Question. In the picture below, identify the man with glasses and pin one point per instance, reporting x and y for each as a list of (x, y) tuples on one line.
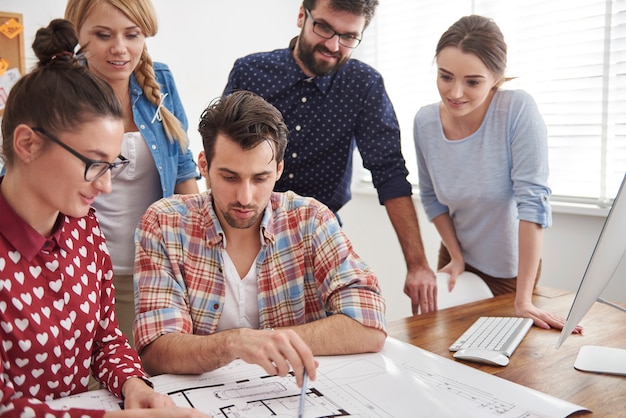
[(331, 105)]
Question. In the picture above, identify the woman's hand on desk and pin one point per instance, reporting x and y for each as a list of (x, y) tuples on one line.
[(140, 400), (543, 319), (137, 394)]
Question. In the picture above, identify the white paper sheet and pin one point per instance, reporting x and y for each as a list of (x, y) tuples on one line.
[(401, 381)]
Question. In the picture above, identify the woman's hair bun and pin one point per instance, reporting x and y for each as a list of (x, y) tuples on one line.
[(56, 42)]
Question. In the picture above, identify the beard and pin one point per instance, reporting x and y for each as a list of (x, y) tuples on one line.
[(238, 223), (306, 55)]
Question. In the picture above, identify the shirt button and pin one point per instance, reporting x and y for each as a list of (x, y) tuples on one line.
[(298, 128), (294, 155), (215, 306), (154, 147), (303, 100), (291, 175), (143, 126)]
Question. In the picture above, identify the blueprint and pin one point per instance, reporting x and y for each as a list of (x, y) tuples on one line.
[(401, 381)]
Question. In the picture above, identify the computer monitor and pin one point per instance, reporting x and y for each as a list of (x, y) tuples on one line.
[(607, 256)]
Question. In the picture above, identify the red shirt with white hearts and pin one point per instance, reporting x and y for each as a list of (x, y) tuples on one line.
[(57, 316)]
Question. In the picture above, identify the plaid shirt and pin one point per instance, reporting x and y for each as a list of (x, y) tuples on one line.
[(306, 269)]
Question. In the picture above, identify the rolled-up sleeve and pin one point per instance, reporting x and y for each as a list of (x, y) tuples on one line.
[(529, 173), (161, 304)]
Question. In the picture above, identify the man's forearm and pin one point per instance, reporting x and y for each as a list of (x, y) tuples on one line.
[(339, 334), (403, 217), (195, 354), (178, 353)]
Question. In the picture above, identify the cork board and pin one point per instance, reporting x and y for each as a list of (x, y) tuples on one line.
[(11, 52)]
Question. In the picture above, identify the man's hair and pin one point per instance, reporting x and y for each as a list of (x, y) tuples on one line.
[(365, 8), (245, 118)]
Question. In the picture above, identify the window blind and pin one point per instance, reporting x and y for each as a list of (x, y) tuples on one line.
[(570, 55)]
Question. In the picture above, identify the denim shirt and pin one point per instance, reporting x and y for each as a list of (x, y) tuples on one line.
[(174, 164)]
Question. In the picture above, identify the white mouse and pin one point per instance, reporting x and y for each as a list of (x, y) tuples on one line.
[(482, 356)]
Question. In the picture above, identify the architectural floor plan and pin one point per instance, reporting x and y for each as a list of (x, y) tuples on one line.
[(401, 381)]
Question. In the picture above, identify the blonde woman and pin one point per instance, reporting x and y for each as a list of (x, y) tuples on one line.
[(112, 35)]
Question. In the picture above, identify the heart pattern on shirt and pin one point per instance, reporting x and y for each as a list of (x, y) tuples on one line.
[(49, 309)]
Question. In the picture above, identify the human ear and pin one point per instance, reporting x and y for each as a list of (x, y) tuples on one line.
[(301, 17), (203, 165), (279, 170), (27, 145)]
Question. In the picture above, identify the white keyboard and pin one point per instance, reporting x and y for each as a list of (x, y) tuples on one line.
[(501, 334)]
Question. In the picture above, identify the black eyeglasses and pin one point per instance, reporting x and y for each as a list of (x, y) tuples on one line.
[(94, 169), (326, 32)]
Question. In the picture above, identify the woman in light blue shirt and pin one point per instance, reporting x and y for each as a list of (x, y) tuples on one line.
[(483, 167), (113, 35)]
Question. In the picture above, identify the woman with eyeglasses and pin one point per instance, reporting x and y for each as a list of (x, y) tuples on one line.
[(62, 132), (112, 35)]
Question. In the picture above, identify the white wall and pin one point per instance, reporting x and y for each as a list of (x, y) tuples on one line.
[(200, 39)]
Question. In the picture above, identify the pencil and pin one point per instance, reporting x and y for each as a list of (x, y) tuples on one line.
[(302, 395)]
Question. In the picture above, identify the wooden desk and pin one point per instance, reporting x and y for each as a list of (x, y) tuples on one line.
[(536, 363)]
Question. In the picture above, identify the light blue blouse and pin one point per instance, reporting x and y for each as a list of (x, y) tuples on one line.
[(488, 181)]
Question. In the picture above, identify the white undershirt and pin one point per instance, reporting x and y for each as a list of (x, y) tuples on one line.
[(136, 188), (241, 306)]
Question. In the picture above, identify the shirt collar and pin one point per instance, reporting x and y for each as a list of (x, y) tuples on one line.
[(24, 238), (215, 235), (267, 224), (322, 82)]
